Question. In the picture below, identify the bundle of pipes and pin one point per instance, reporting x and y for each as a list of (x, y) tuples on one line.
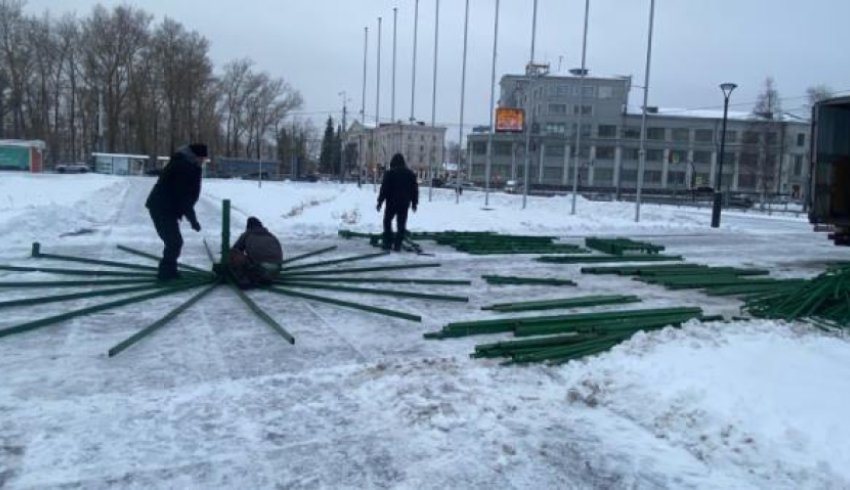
[(590, 259), (562, 303), (619, 246), (481, 243), (516, 280), (824, 300), (577, 322), (568, 337)]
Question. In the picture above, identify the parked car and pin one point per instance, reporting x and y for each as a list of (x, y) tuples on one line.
[(71, 168), (513, 186)]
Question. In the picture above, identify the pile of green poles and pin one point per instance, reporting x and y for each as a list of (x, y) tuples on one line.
[(621, 246), (560, 338), (531, 281), (715, 281), (563, 303), (823, 300), (481, 243)]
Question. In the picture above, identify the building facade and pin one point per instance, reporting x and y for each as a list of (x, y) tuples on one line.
[(763, 154), (423, 146)]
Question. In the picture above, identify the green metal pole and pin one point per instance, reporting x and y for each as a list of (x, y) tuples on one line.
[(43, 322), (346, 304), (225, 230), (209, 252), (68, 297), (380, 292), (118, 348), (335, 261), (73, 284), (358, 269), (309, 254), (84, 260), (387, 280), (146, 255), (262, 314), (77, 272)]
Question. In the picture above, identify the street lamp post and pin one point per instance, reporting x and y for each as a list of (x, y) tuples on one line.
[(727, 89)]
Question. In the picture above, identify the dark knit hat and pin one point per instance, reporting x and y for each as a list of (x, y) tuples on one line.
[(397, 161), (199, 149), (254, 223)]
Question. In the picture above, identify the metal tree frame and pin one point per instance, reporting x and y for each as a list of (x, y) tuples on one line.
[(142, 281)]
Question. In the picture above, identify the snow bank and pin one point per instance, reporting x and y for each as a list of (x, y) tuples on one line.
[(759, 401)]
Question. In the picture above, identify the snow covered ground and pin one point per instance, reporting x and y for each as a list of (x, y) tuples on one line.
[(217, 400)]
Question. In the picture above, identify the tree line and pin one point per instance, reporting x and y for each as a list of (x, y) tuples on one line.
[(115, 81)]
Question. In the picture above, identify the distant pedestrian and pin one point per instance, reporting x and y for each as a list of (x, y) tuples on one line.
[(401, 191), (174, 196), (255, 259)]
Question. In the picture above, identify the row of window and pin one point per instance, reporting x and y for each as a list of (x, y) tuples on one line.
[(574, 90), (682, 135)]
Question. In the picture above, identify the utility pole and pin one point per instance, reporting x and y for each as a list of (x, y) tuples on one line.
[(360, 153), (434, 99), (413, 77), (458, 171), (343, 132), (527, 96), (377, 109), (580, 108), (642, 151), (395, 25), (492, 108)]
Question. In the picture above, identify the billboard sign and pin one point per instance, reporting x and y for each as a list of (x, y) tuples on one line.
[(509, 120)]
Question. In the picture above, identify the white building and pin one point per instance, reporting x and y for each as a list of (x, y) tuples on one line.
[(422, 146)]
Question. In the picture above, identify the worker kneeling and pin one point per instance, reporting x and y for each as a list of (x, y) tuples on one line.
[(255, 259)]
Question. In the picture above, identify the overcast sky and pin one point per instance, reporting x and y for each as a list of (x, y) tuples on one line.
[(317, 46)]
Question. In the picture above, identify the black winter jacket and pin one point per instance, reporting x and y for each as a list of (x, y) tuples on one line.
[(178, 187), (260, 246), (399, 188)]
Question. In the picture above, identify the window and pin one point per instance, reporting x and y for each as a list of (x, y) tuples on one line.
[(678, 156), (751, 137), (586, 110), (502, 148), (556, 128), (585, 130), (655, 156), (801, 139), (606, 92), (704, 135), (676, 178), (701, 179), (628, 175), (731, 136), (585, 152), (557, 109), (772, 138), (749, 159), (681, 134), (631, 154), (552, 173), (631, 133), (652, 176), (655, 134), (604, 152), (563, 90), (702, 157), (553, 150), (479, 148), (589, 90), (747, 180), (729, 160), (607, 131), (603, 176), (798, 161)]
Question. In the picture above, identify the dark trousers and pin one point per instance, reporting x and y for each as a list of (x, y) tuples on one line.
[(400, 215), (168, 229), (247, 273)]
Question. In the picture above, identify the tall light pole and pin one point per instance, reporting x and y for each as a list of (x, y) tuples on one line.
[(527, 121), (434, 100), (492, 108), (642, 151), (580, 107), (395, 26), (377, 108), (361, 155), (727, 89), (342, 135), (458, 172), (413, 76)]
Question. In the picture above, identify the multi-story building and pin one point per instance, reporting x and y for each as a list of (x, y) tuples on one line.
[(763, 154), (422, 146)]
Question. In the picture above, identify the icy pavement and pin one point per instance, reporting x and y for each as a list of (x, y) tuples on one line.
[(217, 400)]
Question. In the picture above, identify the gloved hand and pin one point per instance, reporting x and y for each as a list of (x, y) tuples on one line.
[(414, 208), (196, 226), (378, 207)]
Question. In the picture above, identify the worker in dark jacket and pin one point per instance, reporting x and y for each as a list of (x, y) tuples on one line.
[(400, 190), (174, 196), (255, 259)]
